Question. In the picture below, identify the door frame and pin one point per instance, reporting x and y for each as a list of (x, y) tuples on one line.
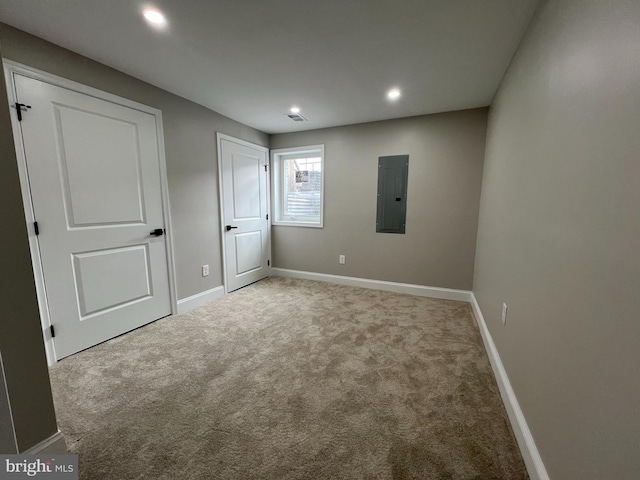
[(11, 69), (219, 137)]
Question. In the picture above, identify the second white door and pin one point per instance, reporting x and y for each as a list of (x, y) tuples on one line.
[(244, 174)]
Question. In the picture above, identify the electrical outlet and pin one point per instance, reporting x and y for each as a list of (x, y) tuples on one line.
[(504, 313), (205, 270), (342, 259)]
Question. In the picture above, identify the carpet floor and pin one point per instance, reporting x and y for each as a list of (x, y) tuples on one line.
[(291, 379)]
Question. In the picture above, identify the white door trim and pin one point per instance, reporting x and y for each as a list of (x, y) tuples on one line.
[(12, 68), (219, 138)]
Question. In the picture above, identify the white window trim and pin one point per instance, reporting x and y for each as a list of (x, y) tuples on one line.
[(277, 174)]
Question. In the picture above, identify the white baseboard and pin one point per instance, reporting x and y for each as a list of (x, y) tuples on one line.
[(527, 445), (198, 299), (532, 459), (55, 444), (419, 290)]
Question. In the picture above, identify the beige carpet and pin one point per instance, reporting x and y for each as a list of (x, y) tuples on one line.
[(291, 379)]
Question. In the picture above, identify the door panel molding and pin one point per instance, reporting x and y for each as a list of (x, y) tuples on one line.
[(219, 138), (11, 69)]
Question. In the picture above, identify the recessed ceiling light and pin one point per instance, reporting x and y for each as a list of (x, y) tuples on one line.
[(154, 17), (393, 94), (295, 109)]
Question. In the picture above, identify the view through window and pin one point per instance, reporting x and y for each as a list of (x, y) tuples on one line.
[(303, 184), (297, 186)]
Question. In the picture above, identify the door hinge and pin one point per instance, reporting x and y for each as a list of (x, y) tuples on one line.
[(36, 228), (268, 263), (267, 216), (52, 330), (265, 168), (19, 109)]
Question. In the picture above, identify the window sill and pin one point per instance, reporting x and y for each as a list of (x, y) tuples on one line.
[(296, 224)]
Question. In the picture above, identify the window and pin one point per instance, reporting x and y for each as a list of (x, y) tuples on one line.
[(298, 185)]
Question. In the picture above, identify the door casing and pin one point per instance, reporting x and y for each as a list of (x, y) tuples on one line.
[(10, 69), (219, 138)]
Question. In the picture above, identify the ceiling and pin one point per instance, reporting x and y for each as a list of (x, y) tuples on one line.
[(252, 60)]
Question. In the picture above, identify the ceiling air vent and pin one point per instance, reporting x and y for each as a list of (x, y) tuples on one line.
[(296, 117)]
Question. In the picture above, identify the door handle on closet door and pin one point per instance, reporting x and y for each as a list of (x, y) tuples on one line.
[(229, 227)]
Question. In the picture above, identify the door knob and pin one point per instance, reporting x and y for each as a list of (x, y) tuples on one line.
[(229, 227), (157, 232)]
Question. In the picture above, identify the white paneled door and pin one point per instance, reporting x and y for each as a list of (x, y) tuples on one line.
[(94, 176), (244, 181)]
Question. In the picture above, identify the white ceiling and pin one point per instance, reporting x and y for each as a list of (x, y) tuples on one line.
[(251, 60)]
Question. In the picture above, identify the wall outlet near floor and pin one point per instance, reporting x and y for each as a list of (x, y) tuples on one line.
[(205, 270), (504, 313), (342, 259)]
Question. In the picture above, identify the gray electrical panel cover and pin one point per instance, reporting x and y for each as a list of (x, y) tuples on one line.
[(393, 172)]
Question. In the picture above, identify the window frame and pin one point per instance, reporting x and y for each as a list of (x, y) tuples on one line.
[(278, 158)]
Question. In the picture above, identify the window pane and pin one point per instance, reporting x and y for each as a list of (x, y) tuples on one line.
[(297, 186), (302, 187)]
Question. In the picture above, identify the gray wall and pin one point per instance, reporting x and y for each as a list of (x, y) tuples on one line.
[(190, 145), (7, 440), (559, 235), (445, 172), (21, 342)]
